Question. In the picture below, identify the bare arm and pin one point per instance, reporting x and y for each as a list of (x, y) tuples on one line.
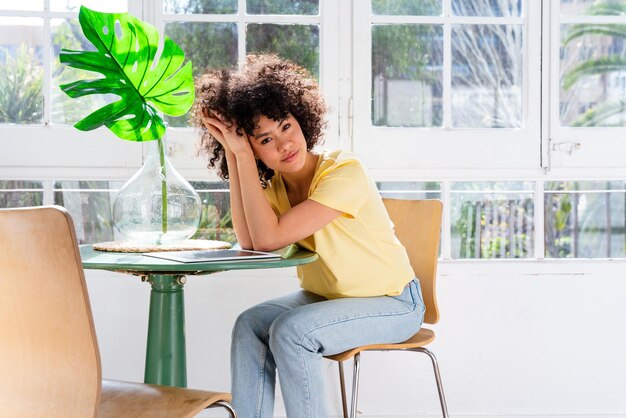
[(239, 220), (268, 231)]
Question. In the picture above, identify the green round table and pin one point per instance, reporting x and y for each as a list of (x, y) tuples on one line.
[(166, 362)]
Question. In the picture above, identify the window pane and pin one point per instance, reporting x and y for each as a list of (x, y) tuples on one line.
[(585, 219), (90, 204), (487, 76), (409, 190), (407, 76), (207, 45), (407, 7), (20, 193), (66, 33), (200, 6), (283, 7), (21, 5), (492, 186), (216, 219), (492, 220), (299, 43), (504, 8), (109, 6), (593, 7), (21, 70), (593, 75)]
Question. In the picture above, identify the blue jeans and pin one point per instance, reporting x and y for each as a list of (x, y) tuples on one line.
[(292, 333)]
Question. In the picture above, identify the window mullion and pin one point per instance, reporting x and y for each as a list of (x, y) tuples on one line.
[(539, 220), (545, 96), (447, 75), (447, 66), (241, 32), (48, 192), (334, 67), (47, 64)]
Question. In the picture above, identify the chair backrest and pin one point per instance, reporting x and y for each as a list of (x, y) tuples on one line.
[(418, 227), (49, 358)]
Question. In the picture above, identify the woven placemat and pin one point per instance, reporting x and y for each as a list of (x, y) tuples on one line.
[(133, 247)]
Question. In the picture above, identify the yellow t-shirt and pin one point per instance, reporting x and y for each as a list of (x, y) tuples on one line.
[(359, 254)]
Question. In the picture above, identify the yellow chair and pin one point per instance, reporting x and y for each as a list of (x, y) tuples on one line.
[(417, 225), (49, 357)]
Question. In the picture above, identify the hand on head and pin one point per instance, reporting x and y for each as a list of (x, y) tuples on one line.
[(225, 132)]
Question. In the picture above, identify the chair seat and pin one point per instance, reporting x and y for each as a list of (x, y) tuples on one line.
[(136, 400), (421, 338)]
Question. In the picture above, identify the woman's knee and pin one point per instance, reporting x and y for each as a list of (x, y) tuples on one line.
[(288, 330), (253, 320)]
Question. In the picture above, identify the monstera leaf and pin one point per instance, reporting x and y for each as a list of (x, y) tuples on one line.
[(145, 77)]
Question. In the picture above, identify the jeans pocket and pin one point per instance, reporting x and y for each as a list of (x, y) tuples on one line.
[(416, 291), (411, 295), (405, 296)]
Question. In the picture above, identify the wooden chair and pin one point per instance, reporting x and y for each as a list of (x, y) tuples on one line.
[(417, 225), (49, 358)]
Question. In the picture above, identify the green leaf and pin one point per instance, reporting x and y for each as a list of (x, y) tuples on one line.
[(597, 66), (607, 8), (145, 76), (599, 114), (584, 29)]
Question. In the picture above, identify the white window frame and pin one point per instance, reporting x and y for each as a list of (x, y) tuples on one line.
[(568, 148), (62, 153), (420, 150), (183, 140), (70, 154), (47, 151)]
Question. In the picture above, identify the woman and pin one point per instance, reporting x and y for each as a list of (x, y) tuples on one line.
[(262, 124)]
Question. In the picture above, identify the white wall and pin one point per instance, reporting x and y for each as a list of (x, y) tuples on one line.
[(515, 339)]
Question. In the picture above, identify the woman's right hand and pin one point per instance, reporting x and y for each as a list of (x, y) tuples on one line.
[(226, 134), (208, 120)]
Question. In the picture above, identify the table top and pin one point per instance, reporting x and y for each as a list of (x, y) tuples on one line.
[(136, 263)]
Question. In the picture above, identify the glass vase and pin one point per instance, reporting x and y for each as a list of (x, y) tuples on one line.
[(157, 205)]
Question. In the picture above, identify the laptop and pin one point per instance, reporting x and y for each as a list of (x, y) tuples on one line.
[(207, 256)]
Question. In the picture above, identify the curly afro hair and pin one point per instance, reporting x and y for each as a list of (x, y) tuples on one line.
[(267, 85)]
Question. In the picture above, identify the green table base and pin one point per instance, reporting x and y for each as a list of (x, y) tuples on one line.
[(166, 356)]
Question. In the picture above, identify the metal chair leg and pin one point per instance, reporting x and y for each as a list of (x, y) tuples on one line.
[(227, 406), (442, 398), (342, 383), (355, 384)]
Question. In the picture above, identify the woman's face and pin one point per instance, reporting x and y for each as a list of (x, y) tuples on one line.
[(279, 144)]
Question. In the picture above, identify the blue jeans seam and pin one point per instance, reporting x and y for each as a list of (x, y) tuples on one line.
[(306, 380), (305, 335), (261, 389), (364, 316)]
